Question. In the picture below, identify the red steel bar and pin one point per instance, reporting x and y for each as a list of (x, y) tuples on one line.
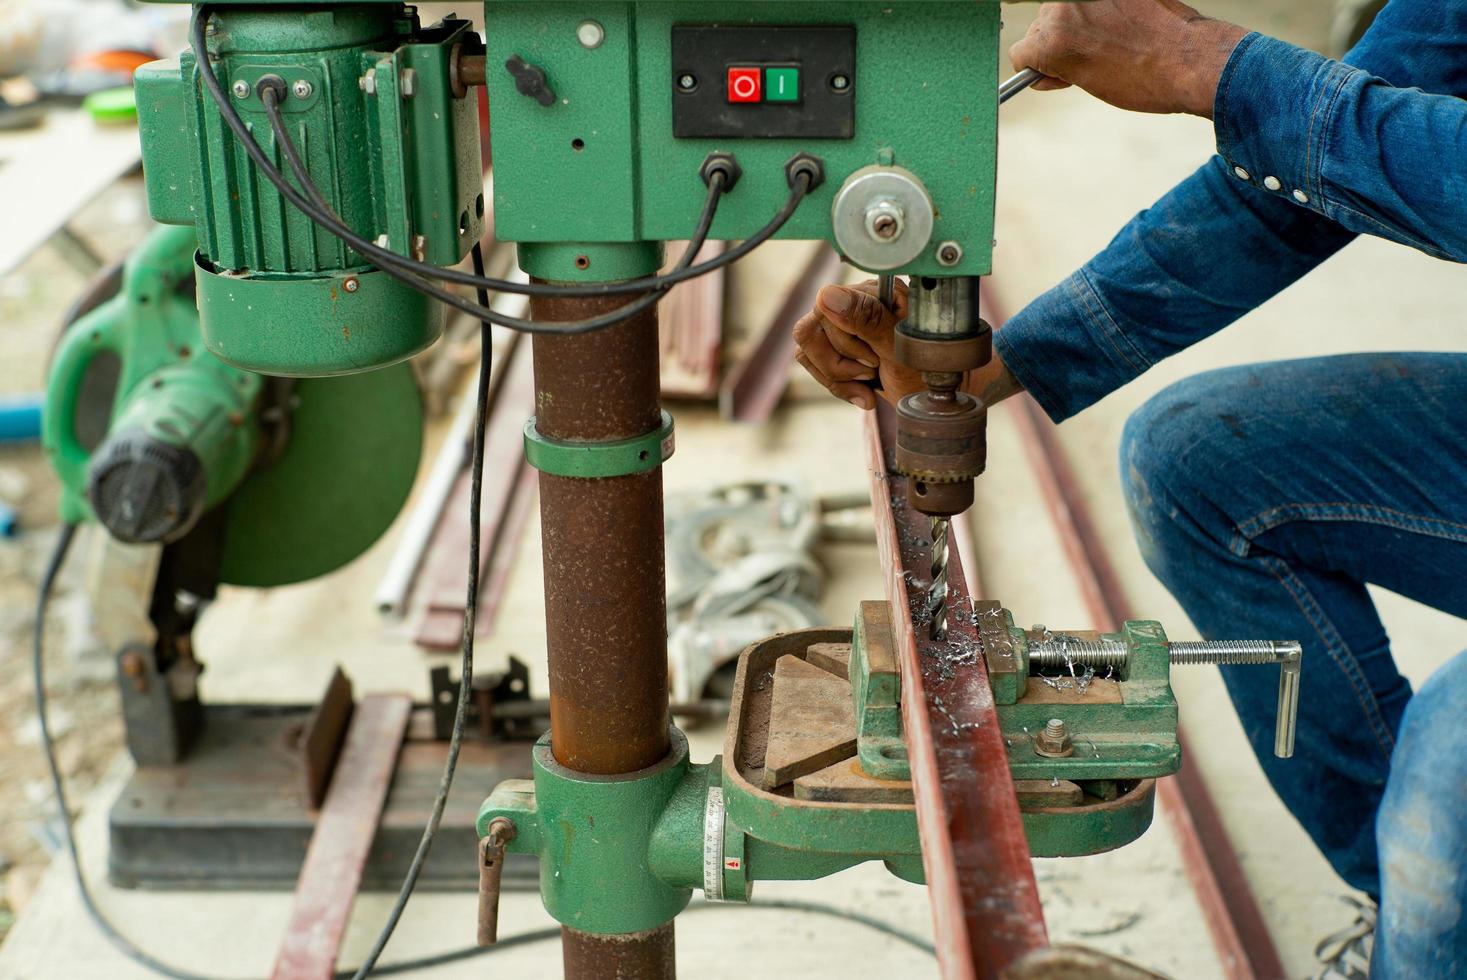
[(345, 829), (445, 578), (1239, 933), (985, 901)]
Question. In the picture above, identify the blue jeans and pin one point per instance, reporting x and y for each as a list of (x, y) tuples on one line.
[(1265, 498)]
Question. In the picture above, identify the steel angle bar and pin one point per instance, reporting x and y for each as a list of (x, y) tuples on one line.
[(985, 901)]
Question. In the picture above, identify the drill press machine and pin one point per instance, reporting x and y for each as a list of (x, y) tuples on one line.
[(872, 126)]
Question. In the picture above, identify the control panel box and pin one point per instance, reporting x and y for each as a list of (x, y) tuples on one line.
[(763, 82), (644, 91)]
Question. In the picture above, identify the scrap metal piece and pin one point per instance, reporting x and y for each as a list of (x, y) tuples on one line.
[(337, 856), (321, 741), (985, 901)]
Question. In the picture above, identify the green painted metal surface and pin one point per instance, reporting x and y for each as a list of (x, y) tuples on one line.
[(600, 164), (593, 836), (315, 326), (354, 449), (1135, 739), (590, 261), (599, 460), (879, 742), (167, 385), (1092, 829)]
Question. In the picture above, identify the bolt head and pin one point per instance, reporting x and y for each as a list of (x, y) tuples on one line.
[(884, 221), (590, 34), (1054, 742), (352, 284), (949, 254), (840, 82), (241, 89), (687, 81), (303, 89)]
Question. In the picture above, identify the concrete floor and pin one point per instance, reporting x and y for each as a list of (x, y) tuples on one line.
[(1072, 172)]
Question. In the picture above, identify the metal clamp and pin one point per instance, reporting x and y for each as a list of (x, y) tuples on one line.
[(1063, 651), (600, 460)]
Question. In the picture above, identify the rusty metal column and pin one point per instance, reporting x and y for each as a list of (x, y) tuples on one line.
[(605, 591)]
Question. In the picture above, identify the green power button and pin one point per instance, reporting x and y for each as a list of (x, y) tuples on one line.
[(781, 85)]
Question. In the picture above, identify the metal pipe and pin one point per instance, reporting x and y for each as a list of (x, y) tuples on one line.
[(647, 954), (605, 582), (20, 418)]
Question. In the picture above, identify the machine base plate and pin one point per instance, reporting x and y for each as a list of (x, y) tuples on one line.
[(233, 815)]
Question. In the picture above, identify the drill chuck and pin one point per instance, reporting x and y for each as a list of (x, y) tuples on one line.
[(942, 446)]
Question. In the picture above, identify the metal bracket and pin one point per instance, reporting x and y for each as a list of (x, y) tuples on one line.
[(600, 460)]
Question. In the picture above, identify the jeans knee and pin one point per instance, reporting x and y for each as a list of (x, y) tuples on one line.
[(1162, 491)]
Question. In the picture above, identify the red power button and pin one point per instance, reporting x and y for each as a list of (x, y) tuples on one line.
[(745, 85)]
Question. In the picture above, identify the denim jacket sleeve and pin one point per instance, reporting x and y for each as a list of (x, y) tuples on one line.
[(1363, 157)]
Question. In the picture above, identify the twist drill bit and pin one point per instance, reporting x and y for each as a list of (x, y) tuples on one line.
[(937, 596)]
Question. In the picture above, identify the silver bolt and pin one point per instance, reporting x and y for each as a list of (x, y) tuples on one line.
[(351, 285), (241, 89), (840, 83), (383, 240), (949, 254), (1054, 741), (687, 82), (409, 83), (303, 89), (368, 83), (590, 34), (884, 221), (1062, 653)]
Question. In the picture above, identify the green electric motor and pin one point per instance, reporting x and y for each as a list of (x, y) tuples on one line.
[(389, 135)]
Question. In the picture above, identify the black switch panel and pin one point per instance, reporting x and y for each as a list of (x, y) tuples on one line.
[(806, 82)]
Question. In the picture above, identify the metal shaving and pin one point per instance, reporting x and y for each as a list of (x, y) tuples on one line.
[(957, 727)]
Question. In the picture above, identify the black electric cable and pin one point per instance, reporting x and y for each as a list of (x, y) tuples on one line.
[(388, 260), (466, 665), (695, 245), (147, 960)]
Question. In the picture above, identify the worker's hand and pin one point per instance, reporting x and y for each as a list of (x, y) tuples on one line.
[(849, 338), (1142, 55)]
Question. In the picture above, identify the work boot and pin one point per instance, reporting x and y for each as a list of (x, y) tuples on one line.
[(1345, 955)]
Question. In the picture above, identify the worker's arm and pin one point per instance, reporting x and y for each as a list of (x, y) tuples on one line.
[(1364, 157)]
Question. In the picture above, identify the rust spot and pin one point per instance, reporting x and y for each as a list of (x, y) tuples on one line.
[(346, 333)]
